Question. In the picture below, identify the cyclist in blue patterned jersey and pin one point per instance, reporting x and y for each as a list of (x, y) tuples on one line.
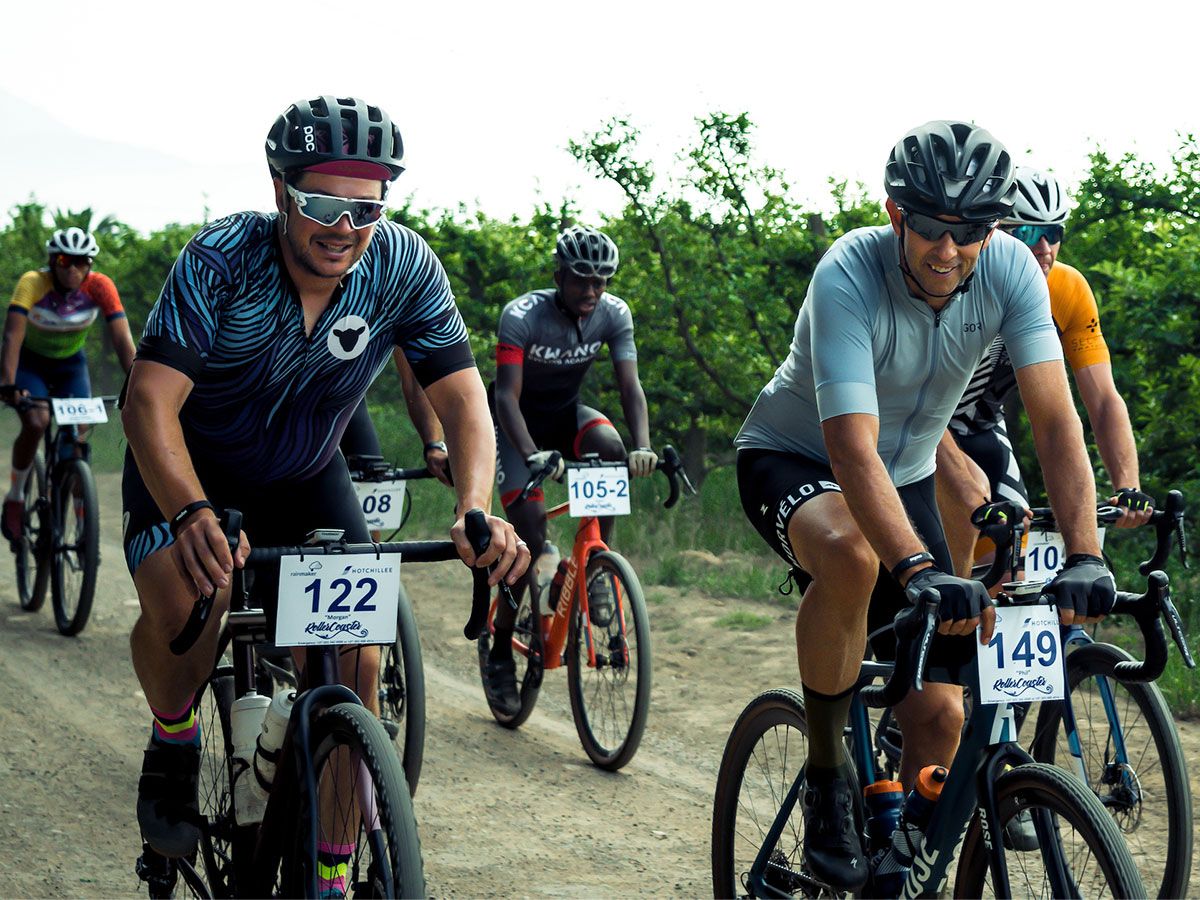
[(547, 342), (836, 459), (265, 338)]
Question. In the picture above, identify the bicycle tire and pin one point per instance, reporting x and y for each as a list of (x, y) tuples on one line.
[(1040, 786), (765, 750), (402, 692), (77, 550), (601, 691), (219, 835), (388, 862), (32, 551), (528, 630), (1143, 708)]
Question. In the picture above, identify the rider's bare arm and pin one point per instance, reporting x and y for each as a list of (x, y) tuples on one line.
[(424, 419), (633, 400), (14, 337), (150, 416), (122, 342), (461, 404), (508, 408), (1062, 454), (852, 441), (1109, 418)]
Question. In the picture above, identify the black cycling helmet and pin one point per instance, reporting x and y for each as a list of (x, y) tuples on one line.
[(945, 168), (336, 130)]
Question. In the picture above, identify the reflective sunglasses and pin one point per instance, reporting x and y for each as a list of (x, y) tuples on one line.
[(77, 262), (1031, 234), (326, 210), (932, 229)]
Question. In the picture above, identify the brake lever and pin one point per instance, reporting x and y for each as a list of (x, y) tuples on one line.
[(1175, 626), (480, 537)]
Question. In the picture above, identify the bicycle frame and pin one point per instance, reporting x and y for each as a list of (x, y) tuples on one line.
[(987, 747)]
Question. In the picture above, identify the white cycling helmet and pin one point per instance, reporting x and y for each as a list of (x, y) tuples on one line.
[(73, 242), (587, 252), (1040, 199)]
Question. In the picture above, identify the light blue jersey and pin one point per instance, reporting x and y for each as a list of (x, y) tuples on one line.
[(864, 344)]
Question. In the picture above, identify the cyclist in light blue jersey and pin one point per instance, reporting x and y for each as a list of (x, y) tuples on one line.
[(836, 459)]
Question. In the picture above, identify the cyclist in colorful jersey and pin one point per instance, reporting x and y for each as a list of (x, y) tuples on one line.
[(265, 338), (836, 458), (48, 320), (548, 339), (978, 426)]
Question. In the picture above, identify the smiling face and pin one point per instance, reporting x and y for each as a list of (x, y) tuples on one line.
[(325, 251), (935, 269)]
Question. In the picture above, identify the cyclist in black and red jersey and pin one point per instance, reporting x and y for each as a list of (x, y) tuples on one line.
[(547, 341)]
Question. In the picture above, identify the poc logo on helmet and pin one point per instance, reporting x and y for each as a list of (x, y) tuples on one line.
[(348, 337), (310, 138)]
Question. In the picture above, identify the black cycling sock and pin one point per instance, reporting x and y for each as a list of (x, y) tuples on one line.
[(501, 645), (827, 717)]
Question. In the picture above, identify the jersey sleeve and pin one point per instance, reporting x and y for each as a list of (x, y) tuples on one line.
[(432, 336), (1077, 318), (1027, 328), (511, 336), (104, 292), (30, 288), (182, 326), (843, 359), (620, 340)]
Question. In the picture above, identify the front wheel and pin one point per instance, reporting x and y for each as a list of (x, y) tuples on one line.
[(366, 833), (1079, 850), (608, 662), (1131, 758), (762, 761), (402, 692), (33, 548), (77, 545)]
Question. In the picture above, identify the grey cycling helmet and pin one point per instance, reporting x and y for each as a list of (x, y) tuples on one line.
[(73, 242), (328, 131), (1040, 199), (945, 168), (587, 252)]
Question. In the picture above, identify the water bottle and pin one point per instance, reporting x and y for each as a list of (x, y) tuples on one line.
[(556, 584), (883, 800), (246, 721), (270, 739), (547, 568), (891, 869)]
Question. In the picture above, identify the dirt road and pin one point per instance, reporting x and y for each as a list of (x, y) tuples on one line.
[(501, 812)]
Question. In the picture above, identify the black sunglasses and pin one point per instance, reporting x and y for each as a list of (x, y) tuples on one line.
[(961, 233), (1031, 234)]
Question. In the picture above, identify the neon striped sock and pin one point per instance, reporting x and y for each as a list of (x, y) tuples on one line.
[(177, 728), (333, 863)]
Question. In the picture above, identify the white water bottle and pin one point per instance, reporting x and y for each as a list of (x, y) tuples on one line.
[(246, 721), (270, 739), (547, 565)]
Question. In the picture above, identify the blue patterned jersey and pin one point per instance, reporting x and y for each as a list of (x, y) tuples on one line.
[(270, 402)]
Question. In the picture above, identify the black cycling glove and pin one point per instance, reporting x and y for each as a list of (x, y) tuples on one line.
[(1084, 585), (1132, 498), (962, 598)]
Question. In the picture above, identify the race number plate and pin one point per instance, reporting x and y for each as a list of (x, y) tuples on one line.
[(382, 503), (1045, 554), (602, 491), (1023, 662), (337, 599), (80, 411)]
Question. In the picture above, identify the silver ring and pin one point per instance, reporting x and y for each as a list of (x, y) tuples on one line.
[(522, 544)]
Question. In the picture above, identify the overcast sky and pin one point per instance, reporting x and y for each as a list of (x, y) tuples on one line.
[(152, 111)]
